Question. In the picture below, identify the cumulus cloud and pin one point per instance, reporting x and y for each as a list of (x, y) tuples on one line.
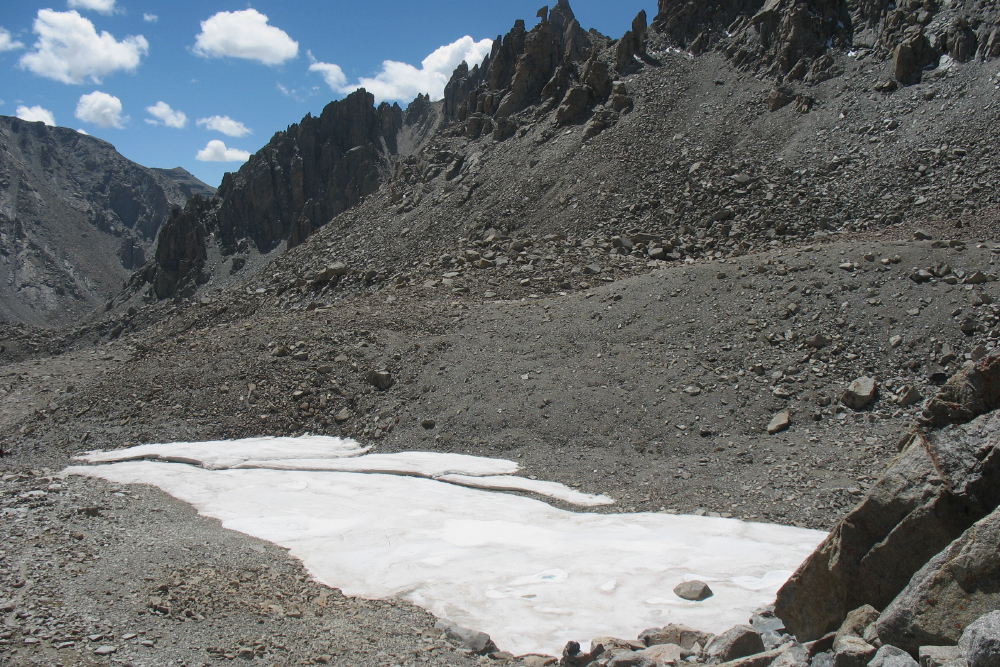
[(36, 114), (162, 114), (102, 6), (83, 131), (150, 18), (7, 43), (225, 125), (216, 151), (69, 49), (402, 81), (101, 109), (244, 34)]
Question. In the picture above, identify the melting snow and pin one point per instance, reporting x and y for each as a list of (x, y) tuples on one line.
[(529, 574)]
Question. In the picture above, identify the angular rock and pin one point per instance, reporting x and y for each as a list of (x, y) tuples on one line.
[(779, 422), (940, 485), (674, 633), (693, 590), (381, 380), (950, 592), (890, 656), (860, 393), (981, 641), (737, 642), (662, 654), (473, 640), (852, 651), (856, 622), (968, 394), (941, 656), (573, 656)]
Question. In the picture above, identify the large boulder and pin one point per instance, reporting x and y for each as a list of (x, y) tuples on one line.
[(951, 591), (737, 642), (981, 641), (942, 483)]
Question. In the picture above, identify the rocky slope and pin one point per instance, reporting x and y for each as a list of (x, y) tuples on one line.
[(76, 219), (725, 287)]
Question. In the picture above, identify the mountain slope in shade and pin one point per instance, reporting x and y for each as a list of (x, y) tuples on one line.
[(188, 183), (76, 218)]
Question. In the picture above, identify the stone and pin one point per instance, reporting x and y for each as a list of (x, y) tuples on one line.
[(591, 269), (428, 424), (908, 396), (818, 341), (940, 656), (980, 641), (693, 590), (342, 416), (280, 351), (860, 393), (473, 640), (617, 643), (852, 651), (538, 660), (662, 654), (764, 659), (890, 656), (737, 642), (105, 650), (779, 422), (975, 278), (895, 341), (856, 622), (574, 657), (381, 380), (968, 394), (942, 482), (675, 633)]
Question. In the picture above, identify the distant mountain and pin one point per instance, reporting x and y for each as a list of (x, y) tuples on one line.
[(76, 218), (188, 183)]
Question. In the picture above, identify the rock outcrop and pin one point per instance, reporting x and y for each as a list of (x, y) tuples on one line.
[(943, 482), (76, 218), (309, 173)]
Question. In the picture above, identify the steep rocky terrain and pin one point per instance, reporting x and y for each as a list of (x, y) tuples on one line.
[(719, 266), (76, 219)]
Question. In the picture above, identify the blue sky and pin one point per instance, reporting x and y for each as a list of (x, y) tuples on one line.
[(237, 73)]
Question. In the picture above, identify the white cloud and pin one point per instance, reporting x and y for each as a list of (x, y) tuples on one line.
[(225, 125), (150, 18), (244, 34), (101, 109), (83, 131), (216, 151), (332, 74), (7, 42), (69, 49), (36, 114), (402, 81), (162, 114), (102, 6)]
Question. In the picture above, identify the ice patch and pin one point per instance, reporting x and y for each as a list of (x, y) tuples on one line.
[(529, 574)]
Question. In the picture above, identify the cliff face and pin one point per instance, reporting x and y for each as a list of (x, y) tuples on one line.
[(307, 174), (76, 218), (301, 179)]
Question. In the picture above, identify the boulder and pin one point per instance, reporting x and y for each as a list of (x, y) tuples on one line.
[(856, 622), (890, 656), (952, 590), (968, 394), (695, 591), (674, 633), (981, 641), (852, 651), (473, 640), (942, 483), (737, 642), (662, 654), (941, 656), (860, 393), (779, 422)]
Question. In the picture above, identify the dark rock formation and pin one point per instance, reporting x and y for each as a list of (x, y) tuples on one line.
[(185, 181), (181, 251), (786, 38), (942, 483), (309, 173), (75, 219)]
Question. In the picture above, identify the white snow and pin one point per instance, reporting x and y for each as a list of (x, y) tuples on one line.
[(529, 574), (542, 488)]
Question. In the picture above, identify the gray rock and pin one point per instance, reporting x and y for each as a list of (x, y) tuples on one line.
[(674, 633), (940, 485), (737, 642), (890, 656), (940, 656), (380, 379), (693, 590), (950, 592), (860, 393), (473, 640), (852, 651), (856, 622), (779, 422), (981, 641), (662, 654), (824, 659)]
